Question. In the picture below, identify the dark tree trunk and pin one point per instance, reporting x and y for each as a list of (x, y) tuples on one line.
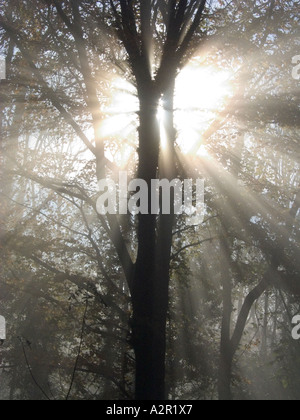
[(150, 280), (226, 353), (224, 380), (148, 326), (152, 272)]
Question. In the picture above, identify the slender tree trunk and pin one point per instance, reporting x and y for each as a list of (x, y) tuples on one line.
[(264, 341), (226, 353), (225, 374)]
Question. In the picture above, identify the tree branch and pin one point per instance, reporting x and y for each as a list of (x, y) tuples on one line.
[(48, 92), (191, 32), (111, 226), (79, 350), (251, 298), (193, 245), (30, 371), (145, 7)]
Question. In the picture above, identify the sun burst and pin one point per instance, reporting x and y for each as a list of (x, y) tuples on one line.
[(201, 92)]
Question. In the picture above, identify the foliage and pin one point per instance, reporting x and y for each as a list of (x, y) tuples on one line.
[(64, 291)]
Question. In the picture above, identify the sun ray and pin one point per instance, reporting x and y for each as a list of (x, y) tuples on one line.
[(201, 93)]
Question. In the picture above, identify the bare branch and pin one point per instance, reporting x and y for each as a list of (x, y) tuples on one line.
[(191, 32), (79, 350), (48, 92), (30, 371), (192, 246), (251, 298)]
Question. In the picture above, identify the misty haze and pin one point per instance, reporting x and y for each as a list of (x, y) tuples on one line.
[(163, 304)]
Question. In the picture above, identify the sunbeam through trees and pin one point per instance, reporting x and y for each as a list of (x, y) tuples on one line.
[(121, 278)]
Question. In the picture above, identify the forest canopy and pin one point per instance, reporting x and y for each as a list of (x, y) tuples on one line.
[(149, 305)]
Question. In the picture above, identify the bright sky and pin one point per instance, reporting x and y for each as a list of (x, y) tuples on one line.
[(201, 91)]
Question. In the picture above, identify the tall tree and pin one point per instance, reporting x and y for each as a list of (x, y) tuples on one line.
[(136, 25)]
